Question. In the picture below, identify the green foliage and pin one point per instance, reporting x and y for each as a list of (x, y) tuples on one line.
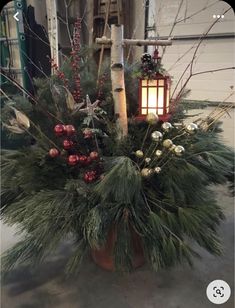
[(49, 201)]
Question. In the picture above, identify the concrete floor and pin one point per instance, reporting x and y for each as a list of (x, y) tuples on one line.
[(181, 287)]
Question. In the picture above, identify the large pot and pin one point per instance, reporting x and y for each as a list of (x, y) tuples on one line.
[(104, 255)]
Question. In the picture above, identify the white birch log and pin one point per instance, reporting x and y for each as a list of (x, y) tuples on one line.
[(117, 78), (108, 41)]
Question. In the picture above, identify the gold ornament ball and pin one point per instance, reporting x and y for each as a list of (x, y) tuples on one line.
[(158, 153), (152, 118), (157, 169), (156, 135), (146, 172), (167, 143), (179, 150), (191, 128), (166, 126), (172, 148), (139, 154), (147, 160)]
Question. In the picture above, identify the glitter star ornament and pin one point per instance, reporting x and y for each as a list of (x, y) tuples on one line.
[(90, 108)]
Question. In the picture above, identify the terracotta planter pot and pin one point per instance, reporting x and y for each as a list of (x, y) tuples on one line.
[(104, 256)]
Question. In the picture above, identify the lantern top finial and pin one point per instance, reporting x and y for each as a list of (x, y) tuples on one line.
[(156, 56)]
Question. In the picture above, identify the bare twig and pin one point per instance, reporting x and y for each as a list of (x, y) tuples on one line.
[(28, 94), (67, 21), (191, 63), (215, 70), (108, 3), (173, 25), (134, 31), (1, 90), (197, 12)]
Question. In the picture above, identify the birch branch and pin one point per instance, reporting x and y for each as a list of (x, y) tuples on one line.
[(107, 41)]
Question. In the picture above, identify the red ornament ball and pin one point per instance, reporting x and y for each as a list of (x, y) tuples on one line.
[(67, 144), (88, 161), (59, 129), (94, 155), (54, 152), (72, 160), (70, 130), (83, 160)]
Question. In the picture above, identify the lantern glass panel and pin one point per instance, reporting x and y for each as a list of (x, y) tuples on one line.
[(144, 97), (161, 82), (152, 97), (160, 97), (144, 111), (167, 97), (144, 83), (152, 83)]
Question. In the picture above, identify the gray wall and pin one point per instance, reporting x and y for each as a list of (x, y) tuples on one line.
[(214, 53)]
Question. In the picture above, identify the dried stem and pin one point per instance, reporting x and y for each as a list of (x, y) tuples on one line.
[(28, 95), (191, 63), (174, 24), (67, 21), (104, 33)]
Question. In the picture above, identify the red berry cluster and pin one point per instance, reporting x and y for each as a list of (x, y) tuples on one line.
[(73, 157), (59, 74), (76, 59), (90, 176)]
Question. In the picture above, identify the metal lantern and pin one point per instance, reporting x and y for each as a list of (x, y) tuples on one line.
[(154, 94)]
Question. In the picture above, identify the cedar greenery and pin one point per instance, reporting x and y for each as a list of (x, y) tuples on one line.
[(49, 202)]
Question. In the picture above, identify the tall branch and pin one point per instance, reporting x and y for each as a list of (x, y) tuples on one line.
[(174, 24)]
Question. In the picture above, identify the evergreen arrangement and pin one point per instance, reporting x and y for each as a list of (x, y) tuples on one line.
[(73, 178)]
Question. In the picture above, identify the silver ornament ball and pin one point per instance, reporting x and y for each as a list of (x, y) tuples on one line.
[(166, 126), (191, 128), (179, 150), (156, 135), (167, 143)]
